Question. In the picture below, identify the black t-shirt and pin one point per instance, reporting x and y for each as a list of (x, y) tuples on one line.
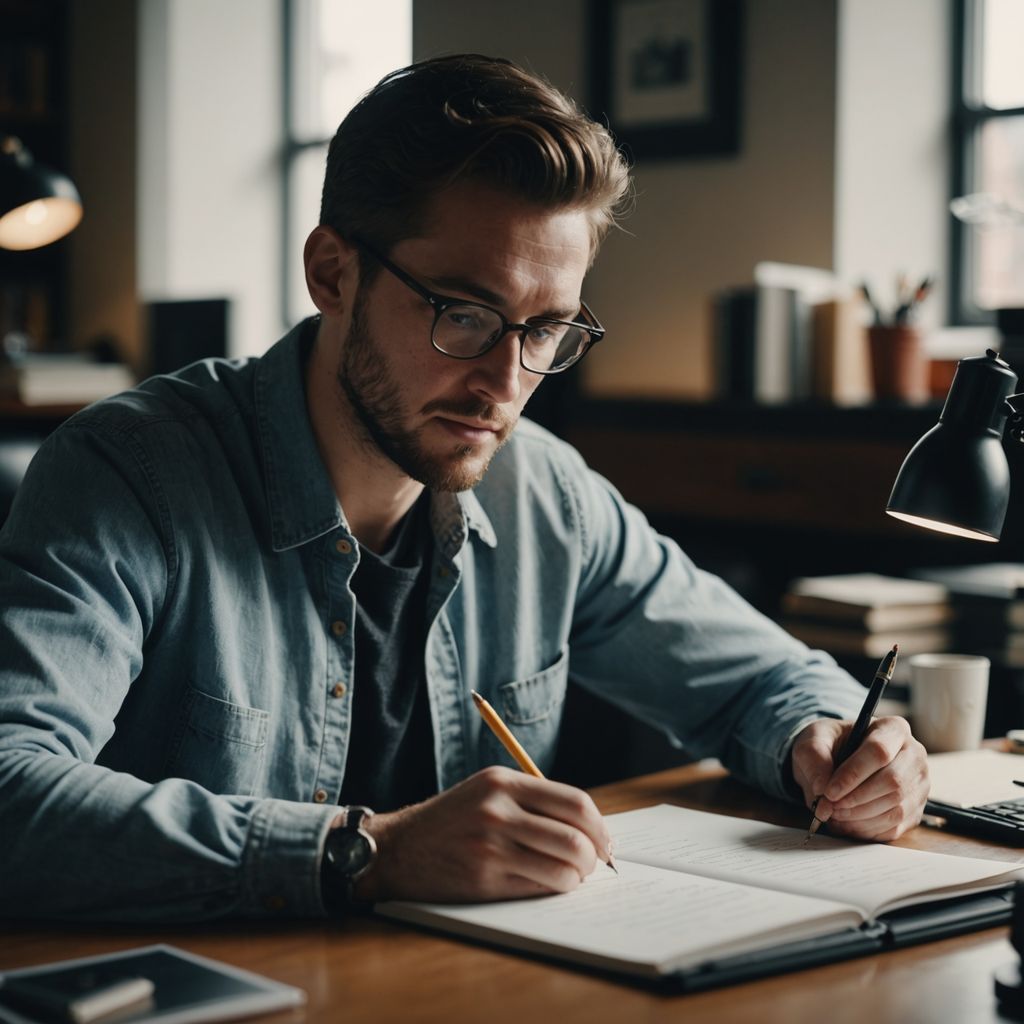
[(391, 746)]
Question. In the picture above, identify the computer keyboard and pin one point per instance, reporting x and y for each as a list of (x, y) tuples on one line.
[(1005, 809), (1002, 821)]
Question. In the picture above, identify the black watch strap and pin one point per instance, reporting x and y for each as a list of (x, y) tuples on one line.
[(349, 852)]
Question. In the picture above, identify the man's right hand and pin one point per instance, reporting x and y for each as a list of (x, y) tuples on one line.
[(500, 834)]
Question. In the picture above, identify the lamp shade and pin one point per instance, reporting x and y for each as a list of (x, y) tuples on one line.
[(38, 205), (956, 479)]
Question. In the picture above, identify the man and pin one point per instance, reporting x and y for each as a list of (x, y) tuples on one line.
[(240, 596)]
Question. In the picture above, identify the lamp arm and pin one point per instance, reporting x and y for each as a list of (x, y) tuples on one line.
[(1015, 424)]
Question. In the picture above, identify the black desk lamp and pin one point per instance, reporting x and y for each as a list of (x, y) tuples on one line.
[(956, 479), (38, 205)]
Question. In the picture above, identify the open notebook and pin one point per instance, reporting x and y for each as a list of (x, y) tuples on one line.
[(706, 899)]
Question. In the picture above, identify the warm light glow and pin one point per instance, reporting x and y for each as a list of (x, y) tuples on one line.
[(35, 213), (940, 527), (38, 223)]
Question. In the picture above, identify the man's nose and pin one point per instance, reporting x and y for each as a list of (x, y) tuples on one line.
[(496, 374)]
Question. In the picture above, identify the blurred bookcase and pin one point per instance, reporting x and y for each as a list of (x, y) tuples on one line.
[(34, 108)]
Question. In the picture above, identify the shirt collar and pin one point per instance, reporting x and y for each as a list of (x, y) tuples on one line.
[(452, 516), (300, 496)]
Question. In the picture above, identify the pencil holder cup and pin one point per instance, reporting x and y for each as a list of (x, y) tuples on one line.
[(899, 369)]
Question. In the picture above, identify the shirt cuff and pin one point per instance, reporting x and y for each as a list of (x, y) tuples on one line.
[(281, 859)]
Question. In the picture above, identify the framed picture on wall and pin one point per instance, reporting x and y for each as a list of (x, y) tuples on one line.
[(665, 74)]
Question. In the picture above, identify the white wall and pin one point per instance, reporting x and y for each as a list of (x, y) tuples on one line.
[(892, 143), (208, 156)]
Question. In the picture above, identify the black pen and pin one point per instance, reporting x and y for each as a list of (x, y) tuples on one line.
[(860, 727), (871, 302)]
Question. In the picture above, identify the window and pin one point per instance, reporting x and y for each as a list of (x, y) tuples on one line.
[(335, 50), (987, 270)]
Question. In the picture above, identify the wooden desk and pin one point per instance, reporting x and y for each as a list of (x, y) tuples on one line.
[(372, 970)]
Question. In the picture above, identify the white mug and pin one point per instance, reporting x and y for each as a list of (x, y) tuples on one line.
[(948, 693)]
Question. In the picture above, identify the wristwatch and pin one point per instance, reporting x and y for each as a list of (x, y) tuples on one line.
[(349, 853)]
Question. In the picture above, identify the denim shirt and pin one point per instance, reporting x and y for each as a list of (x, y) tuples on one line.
[(176, 645)]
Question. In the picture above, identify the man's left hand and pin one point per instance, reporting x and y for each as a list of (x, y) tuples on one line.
[(878, 792)]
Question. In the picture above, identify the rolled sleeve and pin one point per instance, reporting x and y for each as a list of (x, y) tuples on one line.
[(678, 648), (281, 859)]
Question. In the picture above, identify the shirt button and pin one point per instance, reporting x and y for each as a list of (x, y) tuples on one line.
[(338, 628), (276, 903), (442, 572), (320, 796), (343, 547), (338, 690)]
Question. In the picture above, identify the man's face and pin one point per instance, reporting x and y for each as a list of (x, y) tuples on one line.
[(441, 420)]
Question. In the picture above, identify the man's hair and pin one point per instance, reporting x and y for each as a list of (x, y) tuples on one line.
[(466, 118)]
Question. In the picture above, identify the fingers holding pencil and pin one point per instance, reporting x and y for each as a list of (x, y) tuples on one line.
[(498, 835), (602, 841)]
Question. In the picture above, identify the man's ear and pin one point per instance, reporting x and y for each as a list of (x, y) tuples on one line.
[(332, 270)]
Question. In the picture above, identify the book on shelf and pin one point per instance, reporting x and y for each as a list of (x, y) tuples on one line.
[(841, 370), (839, 639), (733, 318), (781, 362), (760, 345), (704, 899), (869, 600)]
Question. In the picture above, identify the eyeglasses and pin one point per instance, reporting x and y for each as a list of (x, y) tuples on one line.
[(467, 330)]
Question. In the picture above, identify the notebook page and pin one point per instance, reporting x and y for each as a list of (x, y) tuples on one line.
[(871, 876), (643, 916), (967, 778)]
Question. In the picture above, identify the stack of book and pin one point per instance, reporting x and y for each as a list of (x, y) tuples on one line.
[(864, 614), (989, 602)]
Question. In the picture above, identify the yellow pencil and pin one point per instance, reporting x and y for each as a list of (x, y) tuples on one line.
[(514, 747), (508, 741)]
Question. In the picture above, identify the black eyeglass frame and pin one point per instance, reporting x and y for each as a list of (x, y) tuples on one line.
[(439, 303)]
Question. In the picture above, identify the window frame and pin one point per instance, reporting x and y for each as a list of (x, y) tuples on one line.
[(292, 147), (968, 116), (296, 143)]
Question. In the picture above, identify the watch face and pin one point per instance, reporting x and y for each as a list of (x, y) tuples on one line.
[(349, 852)]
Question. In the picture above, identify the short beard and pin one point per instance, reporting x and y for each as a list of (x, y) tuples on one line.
[(367, 381)]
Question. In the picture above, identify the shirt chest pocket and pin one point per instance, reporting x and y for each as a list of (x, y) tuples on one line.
[(532, 709), (220, 745)]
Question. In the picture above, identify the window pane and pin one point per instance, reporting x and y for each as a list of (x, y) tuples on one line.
[(1002, 63), (342, 48), (998, 247)]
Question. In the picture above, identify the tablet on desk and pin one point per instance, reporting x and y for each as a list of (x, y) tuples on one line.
[(184, 989), (977, 792)]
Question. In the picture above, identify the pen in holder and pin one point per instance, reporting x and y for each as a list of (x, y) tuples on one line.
[(899, 369), (899, 366)]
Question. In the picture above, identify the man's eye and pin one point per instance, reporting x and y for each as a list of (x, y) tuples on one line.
[(464, 319), (546, 334)]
